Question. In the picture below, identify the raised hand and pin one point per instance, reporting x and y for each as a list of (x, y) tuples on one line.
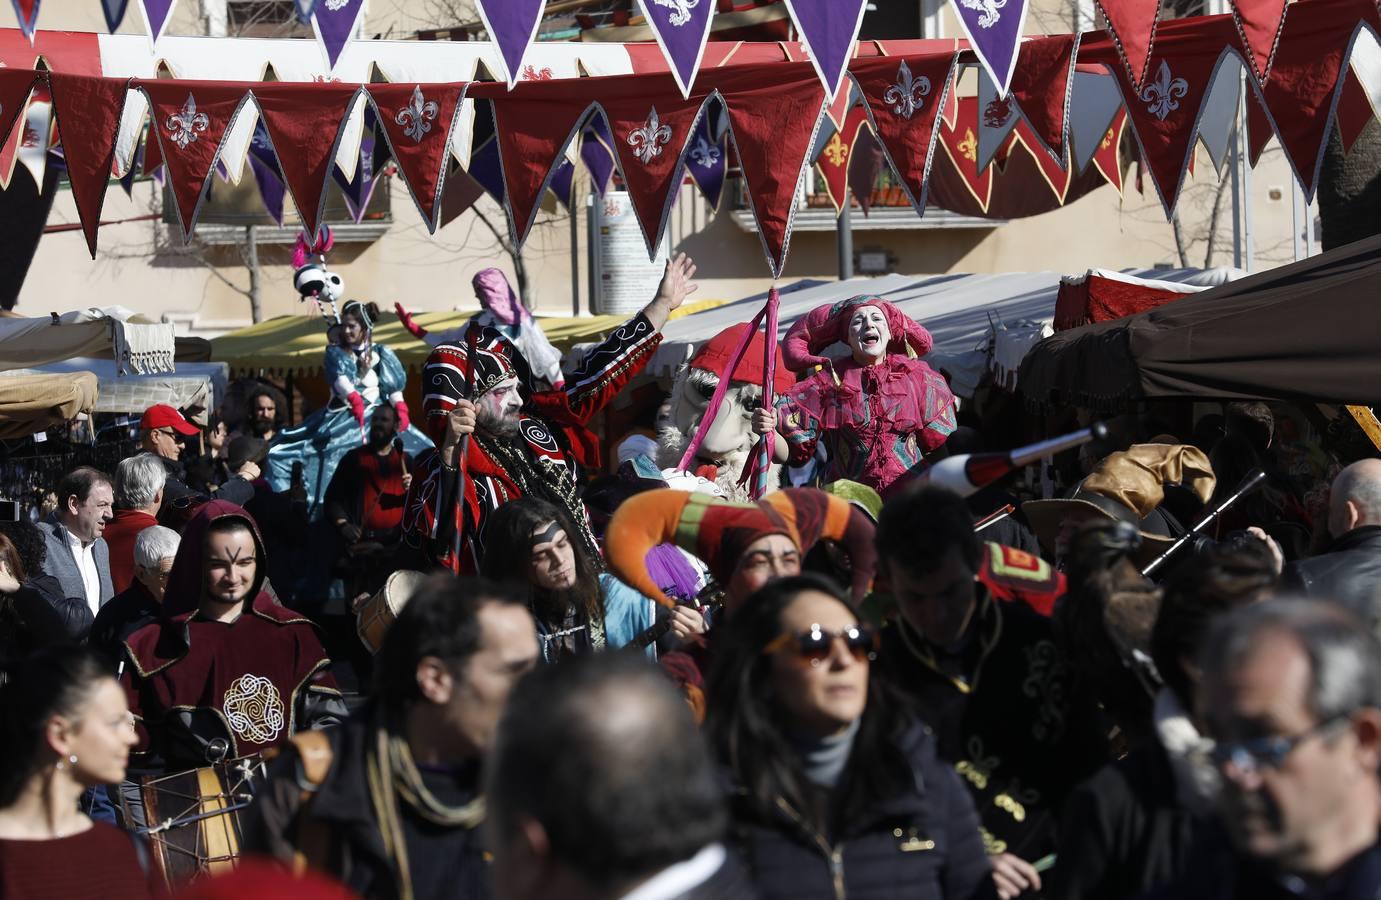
[(677, 284)]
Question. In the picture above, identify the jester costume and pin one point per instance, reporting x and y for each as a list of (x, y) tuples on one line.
[(203, 690), (447, 509), (360, 377), (875, 421)]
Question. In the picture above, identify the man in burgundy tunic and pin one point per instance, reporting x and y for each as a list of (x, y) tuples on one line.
[(519, 441), (226, 672)]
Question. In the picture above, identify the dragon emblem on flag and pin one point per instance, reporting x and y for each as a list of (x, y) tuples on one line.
[(681, 10), (907, 96), (1162, 96), (989, 11), (998, 112), (185, 124), (647, 141), (416, 118)]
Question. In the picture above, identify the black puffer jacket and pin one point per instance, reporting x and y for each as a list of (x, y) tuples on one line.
[(921, 844), (1350, 573)]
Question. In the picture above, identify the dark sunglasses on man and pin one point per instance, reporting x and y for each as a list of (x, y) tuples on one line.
[(816, 644)]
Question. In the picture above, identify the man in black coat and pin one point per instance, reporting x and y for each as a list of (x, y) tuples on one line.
[(162, 432), (1350, 572)]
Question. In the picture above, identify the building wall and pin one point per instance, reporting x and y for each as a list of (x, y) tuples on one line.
[(433, 272)]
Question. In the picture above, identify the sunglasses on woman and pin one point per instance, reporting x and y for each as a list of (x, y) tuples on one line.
[(816, 644)]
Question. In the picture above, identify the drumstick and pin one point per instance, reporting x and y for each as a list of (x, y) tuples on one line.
[(994, 517)]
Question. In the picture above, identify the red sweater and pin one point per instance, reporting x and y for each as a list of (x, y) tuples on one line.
[(97, 864), (119, 535)]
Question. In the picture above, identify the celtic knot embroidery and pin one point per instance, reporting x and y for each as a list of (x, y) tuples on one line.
[(184, 125), (254, 709)]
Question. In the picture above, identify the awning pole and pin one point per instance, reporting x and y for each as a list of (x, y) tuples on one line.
[(844, 240)]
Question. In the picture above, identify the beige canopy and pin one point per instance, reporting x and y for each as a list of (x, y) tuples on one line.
[(31, 403)]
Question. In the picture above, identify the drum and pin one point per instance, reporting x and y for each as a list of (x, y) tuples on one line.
[(378, 615), (193, 825)]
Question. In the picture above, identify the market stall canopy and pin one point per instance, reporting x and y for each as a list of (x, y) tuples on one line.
[(1099, 295), (1307, 331), (111, 333), (297, 344), (32, 403), (960, 311), (194, 386)]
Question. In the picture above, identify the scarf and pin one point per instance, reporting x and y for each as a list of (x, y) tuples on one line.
[(823, 758)]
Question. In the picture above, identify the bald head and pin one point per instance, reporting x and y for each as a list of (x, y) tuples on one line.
[(1356, 497)]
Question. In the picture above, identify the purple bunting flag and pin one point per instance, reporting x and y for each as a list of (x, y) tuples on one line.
[(682, 27), (512, 25), (486, 169), (334, 22), (994, 29), (114, 13), (563, 182), (359, 191), (157, 14), (828, 28), (303, 8), (595, 153), (26, 11), (271, 190), (708, 161)]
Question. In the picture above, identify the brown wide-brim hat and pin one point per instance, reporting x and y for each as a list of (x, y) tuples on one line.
[(1129, 485)]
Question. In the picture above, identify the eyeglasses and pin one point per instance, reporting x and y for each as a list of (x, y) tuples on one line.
[(1250, 756), (816, 644)]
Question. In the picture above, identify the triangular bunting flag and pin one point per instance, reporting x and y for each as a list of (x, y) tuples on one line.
[(335, 23), (773, 133), (681, 30), (1218, 118), (1053, 172), (26, 11), (994, 31), (15, 85), (828, 29), (487, 171), (838, 153), (1043, 85), (157, 15), (88, 112), (417, 121), (512, 26), (114, 11), (191, 119), (1354, 111), (1259, 23), (562, 183), (33, 148), (995, 118), (1305, 82), (303, 122), (303, 8), (652, 131), (1164, 112), (270, 186), (1108, 157), (1259, 131), (904, 96), (597, 154), (708, 158), (1132, 24), (153, 154), (532, 131), (1093, 107), (960, 146)]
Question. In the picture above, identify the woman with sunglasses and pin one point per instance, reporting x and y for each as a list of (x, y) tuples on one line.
[(837, 791)]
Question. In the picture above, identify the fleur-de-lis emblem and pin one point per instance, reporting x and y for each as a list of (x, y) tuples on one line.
[(997, 112), (836, 151), (416, 118), (1162, 96), (532, 73), (647, 141), (908, 95), (1107, 140), (968, 147), (185, 124), (704, 154)]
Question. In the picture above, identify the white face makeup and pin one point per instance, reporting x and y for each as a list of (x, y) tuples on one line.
[(498, 409), (868, 334)]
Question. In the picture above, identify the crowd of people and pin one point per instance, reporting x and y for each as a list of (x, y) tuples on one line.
[(636, 681)]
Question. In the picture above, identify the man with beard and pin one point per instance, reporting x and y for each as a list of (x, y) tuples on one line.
[(1291, 695), (519, 442), (365, 500), (263, 417)]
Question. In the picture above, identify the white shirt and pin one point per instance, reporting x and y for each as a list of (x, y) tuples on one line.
[(85, 555), (673, 881)]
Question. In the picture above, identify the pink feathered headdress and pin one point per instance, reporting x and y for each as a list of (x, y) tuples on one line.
[(826, 325)]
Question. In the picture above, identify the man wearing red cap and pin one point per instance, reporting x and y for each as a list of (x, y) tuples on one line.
[(519, 440), (162, 431), (731, 437)]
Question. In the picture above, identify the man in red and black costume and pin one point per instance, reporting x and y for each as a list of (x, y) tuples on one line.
[(226, 672), (520, 442)]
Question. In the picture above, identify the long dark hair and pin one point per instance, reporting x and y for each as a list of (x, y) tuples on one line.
[(54, 681), (749, 729), (508, 544)]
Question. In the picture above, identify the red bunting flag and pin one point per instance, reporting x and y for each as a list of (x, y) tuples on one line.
[(191, 119), (533, 127), (1354, 110), (1108, 157), (1132, 24), (773, 119), (15, 85), (1259, 23), (88, 112), (838, 153), (417, 121), (1043, 85), (960, 146), (304, 123), (904, 97), (652, 125)]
